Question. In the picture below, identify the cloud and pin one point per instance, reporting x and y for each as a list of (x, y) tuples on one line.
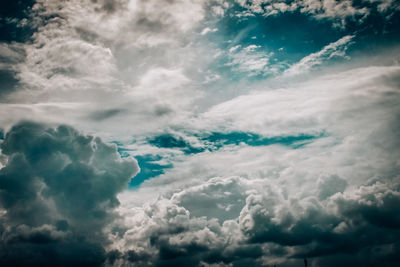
[(10, 56), (105, 114), (207, 30), (331, 185), (162, 87), (256, 218), (106, 55), (249, 60), (338, 11), (329, 200), (291, 110), (240, 204), (330, 51), (58, 193), (67, 65)]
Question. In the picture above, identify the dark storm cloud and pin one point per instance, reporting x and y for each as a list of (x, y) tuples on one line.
[(58, 191)]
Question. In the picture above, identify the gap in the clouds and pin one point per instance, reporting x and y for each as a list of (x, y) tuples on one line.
[(149, 168), (283, 39), (149, 165), (216, 140), (153, 165), (13, 27)]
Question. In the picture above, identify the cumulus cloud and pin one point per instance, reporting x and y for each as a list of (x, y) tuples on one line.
[(106, 54), (58, 193), (81, 45), (268, 227)]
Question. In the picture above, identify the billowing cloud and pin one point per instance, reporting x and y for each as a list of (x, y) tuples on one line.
[(81, 45), (102, 54), (58, 192), (267, 226)]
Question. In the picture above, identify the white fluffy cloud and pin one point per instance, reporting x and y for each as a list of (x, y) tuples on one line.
[(96, 60)]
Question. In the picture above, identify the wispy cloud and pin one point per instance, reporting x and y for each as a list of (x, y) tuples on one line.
[(331, 51), (250, 60), (337, 11)]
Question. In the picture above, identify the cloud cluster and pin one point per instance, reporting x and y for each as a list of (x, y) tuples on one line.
[(81, 45), (332, 201), (339, 11), (132, 56), (57, 194), (260, 224)]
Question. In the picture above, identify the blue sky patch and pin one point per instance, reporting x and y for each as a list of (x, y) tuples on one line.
[(286, 38), (217, 140), (149, 168)]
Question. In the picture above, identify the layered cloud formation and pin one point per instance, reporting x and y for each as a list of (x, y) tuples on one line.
[(199, 133), (333, 200)]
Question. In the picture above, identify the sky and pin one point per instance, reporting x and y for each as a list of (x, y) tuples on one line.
[(199, 133)]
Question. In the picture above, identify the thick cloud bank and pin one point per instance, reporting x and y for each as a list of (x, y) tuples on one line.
[(334, 201), (353, 227), (57, 193)]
